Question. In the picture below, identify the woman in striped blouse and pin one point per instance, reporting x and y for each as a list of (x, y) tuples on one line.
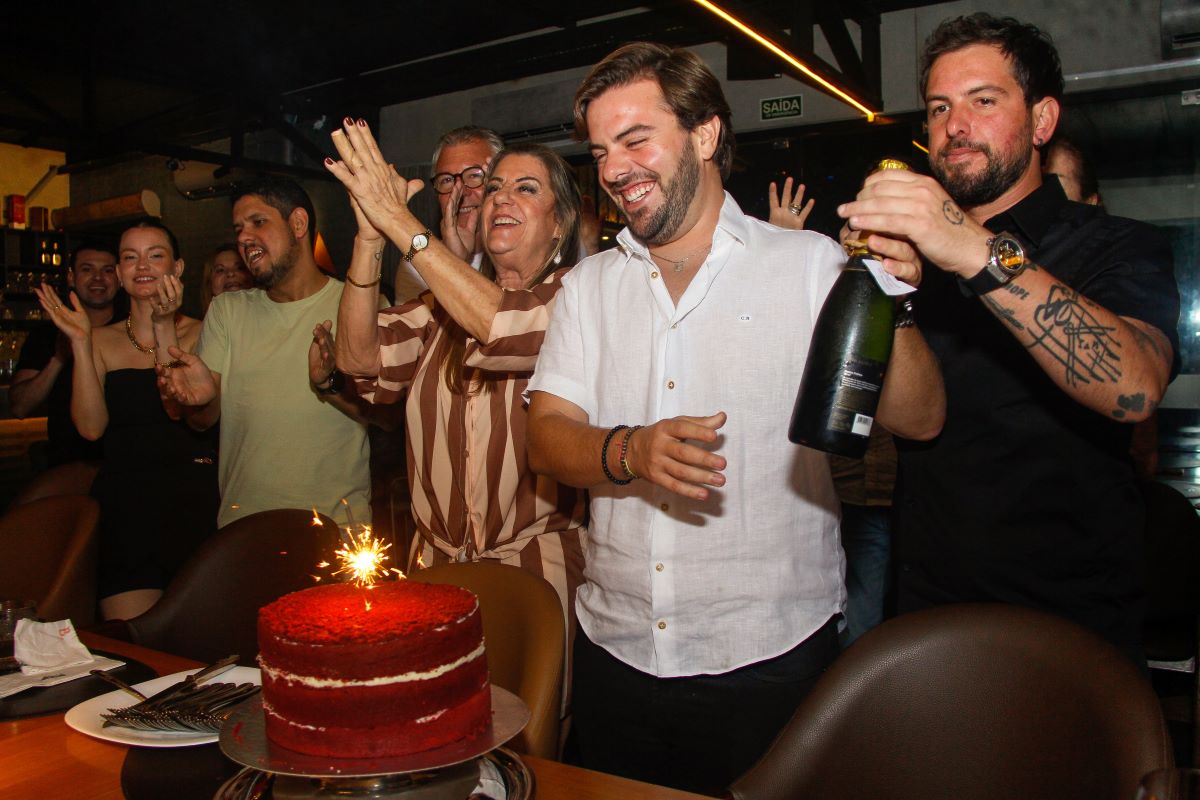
[(462, 354)]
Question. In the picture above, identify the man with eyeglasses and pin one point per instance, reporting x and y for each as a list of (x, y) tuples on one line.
[(460, 162)]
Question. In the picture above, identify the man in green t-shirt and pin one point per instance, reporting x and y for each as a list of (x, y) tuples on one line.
[(292, 436)]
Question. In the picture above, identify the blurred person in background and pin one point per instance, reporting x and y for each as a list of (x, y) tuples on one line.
[(43, 373), (224, 271)]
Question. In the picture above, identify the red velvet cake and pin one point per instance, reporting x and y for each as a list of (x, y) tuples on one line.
[(350, 672)]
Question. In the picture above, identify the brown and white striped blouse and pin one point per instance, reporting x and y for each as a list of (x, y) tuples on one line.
[(473, 494)]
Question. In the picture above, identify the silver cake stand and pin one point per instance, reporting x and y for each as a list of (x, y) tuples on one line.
[(444, 773)]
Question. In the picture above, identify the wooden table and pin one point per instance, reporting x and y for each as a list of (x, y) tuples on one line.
[(42, 757)]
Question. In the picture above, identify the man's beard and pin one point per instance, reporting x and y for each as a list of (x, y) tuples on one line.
[(280, 268), (971, 191), (661, 225)]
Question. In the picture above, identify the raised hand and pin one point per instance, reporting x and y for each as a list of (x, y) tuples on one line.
[(459, 234), (73, 322), (191, 383), (788, 210), (661, 454), (381, 195), (169, 299), (321, 360)]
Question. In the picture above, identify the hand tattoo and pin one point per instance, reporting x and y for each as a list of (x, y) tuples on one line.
[(951, 212)]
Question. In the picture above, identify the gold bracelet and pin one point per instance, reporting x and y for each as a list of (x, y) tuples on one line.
[(171, 364), (373, 283)]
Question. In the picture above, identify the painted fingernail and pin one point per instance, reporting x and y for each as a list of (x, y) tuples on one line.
[(362, 123), (328, 161), (347, 121)]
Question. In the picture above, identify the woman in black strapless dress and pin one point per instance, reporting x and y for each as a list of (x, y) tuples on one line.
[(157, 486)]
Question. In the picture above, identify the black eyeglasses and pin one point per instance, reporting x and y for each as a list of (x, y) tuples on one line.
[(472, 178)]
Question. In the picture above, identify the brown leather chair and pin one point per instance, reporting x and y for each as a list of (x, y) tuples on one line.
[(1172, 629), (210, 609), (48, 554), (524, 630), (75, 477), (981, 702)]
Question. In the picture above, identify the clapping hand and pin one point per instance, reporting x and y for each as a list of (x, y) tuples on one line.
[(191, 383), (321, 360), (379, 193), (73, 322), (459, 234)]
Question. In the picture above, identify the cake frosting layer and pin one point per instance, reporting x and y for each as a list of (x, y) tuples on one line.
[(352, 672)]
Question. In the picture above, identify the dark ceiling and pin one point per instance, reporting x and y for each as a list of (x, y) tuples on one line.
[(118, 80)]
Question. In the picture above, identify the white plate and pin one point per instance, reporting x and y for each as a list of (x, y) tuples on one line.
[(86, 718)]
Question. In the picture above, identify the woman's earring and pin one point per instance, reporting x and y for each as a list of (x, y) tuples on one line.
[(557, 258)]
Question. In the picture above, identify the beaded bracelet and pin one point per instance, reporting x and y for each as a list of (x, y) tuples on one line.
[(604, 456), (629, 473)]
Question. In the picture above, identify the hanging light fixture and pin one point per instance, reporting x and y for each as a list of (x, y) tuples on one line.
[(786, 56)]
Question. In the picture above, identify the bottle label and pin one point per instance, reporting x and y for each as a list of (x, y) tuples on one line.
[(889, 283), (857, 396)]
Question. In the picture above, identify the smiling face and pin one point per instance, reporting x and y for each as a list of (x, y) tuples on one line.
[(456, 158), (647, 162), (229, 274), (94, 278), (520, 226), (981, 131), (269, 246), (145, 257)]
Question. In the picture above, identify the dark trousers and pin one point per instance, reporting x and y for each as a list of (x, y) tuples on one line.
[(697, 733)]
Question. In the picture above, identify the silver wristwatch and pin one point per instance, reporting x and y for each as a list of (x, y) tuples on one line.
[(1006, 260)]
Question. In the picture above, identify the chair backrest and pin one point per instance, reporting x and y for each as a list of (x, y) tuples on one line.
[(524, 630), (1172, 553), (987, 702), (48, 554), (210, 609), (74, 477)]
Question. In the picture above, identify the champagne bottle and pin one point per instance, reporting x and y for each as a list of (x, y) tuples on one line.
[(847, 358)]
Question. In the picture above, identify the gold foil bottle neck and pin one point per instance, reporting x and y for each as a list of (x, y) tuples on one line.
[(889, 163), (858, 247)]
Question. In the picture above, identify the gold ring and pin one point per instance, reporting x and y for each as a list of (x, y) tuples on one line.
[(795, 209)]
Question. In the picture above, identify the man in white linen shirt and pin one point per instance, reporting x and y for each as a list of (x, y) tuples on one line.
[(714, 573)]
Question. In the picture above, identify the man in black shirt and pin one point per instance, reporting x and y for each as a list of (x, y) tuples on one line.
[(1054, 324), (43, 371)]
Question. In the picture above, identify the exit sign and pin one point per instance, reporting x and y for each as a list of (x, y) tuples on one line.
[(781, 107)]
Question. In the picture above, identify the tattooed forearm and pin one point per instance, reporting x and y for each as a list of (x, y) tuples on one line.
[(951, 212), (1013, 289), (1006, 314), (1071, 334)]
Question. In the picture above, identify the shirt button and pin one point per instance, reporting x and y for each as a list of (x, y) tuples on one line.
[(662, 626), (653, 274), (665, 507), (659, 567), (670, 384)]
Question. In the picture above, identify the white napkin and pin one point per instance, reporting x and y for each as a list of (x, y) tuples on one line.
[(491, 782), (50, 653), (48, 646)]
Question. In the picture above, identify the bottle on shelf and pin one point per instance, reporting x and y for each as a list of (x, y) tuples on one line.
[(847, 358)]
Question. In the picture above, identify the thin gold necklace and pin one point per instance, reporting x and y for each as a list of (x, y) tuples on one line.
[(133, 339), (678, 265)]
